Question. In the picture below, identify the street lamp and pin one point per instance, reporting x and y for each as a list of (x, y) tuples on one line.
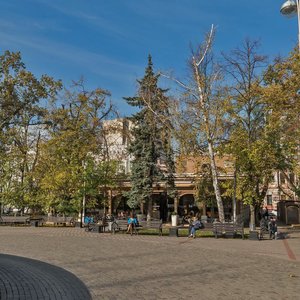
[(82, 213), (291, 8)]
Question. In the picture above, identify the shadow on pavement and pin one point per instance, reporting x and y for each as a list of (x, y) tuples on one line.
[(23, 278)]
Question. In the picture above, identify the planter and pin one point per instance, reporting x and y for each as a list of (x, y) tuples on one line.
[(174, 220), (109, 225)]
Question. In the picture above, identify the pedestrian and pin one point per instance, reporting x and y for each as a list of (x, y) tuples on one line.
[(272, 228), (266, 213), (264, 227)]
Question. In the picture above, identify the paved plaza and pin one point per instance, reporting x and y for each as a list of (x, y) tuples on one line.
[(104, 266)]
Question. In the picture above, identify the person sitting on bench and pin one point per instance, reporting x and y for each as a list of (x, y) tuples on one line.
[(132, 222), (195, 226)]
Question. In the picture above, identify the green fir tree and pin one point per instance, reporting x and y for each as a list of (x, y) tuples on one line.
[(150, 141)]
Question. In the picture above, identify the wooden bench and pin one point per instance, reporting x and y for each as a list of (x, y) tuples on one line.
[(98, 226), (14, 220), (60, 221), (122, 225), (228, 230), (151, 224), (207, 227), (95, 227), (37, 220)]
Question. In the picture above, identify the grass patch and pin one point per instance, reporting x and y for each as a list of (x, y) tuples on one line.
[(199, 233)]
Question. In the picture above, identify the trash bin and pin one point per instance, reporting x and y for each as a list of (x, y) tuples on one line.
[(77, 224), (253, 235), (109, 225), (34, 223), (173, 231), (98, 228)]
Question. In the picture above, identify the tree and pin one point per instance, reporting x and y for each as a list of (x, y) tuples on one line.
[(282, 96), (200, 127), (150, 140), (252, 142), (75, 151), (21, 113)]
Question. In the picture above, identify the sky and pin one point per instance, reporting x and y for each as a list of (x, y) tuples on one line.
[(107, 42)]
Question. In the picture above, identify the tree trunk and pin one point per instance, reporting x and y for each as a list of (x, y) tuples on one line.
[(216, 183), (234, 197), (150, 207), (202, 99), (252, 217)]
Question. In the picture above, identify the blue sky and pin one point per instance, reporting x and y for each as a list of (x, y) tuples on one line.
[(108, 41)]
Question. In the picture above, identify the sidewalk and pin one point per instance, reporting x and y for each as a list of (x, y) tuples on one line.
[(121, 266)]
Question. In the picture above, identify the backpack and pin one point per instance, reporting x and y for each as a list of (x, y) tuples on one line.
[(197, 224)]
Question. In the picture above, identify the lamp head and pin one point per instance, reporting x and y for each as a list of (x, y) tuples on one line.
[(289, 8)]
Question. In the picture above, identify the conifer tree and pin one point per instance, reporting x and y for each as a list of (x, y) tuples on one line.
[(150, 140)]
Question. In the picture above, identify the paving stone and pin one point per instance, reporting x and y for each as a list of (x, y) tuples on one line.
[(144, 267), (27, 279)]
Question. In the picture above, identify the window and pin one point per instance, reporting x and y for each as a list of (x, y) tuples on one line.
[(269, 199), (282, 178)]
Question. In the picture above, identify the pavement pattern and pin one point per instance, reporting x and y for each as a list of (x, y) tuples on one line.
[(27, 279), (151, 267)]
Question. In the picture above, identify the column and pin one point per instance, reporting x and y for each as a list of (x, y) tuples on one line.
[(110, 202)]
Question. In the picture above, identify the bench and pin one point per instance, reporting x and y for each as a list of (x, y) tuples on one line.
[(60, 221), (96, 227), (37, 221), (14, 220), (151, 224), (207, 227), (228, 230), (122, 225)]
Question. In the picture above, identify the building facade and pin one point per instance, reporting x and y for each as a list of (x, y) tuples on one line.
[(188, 171)]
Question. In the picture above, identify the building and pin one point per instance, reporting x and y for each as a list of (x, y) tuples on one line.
[(188, 172)]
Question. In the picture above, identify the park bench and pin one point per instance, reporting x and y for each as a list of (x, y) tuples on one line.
[(60, 221), (14, 220), (122, 225), (37, 220), (151, 224), (228, 230), (207, 227), (96, 226)]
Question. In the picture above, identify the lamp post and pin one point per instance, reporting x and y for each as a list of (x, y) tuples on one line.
[(291, 8), (84, 193)]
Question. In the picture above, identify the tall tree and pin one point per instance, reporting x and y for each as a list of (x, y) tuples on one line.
[(21, 113), (200, 119), (76, 150), (150, 140), (282, 95), (252, 142)]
